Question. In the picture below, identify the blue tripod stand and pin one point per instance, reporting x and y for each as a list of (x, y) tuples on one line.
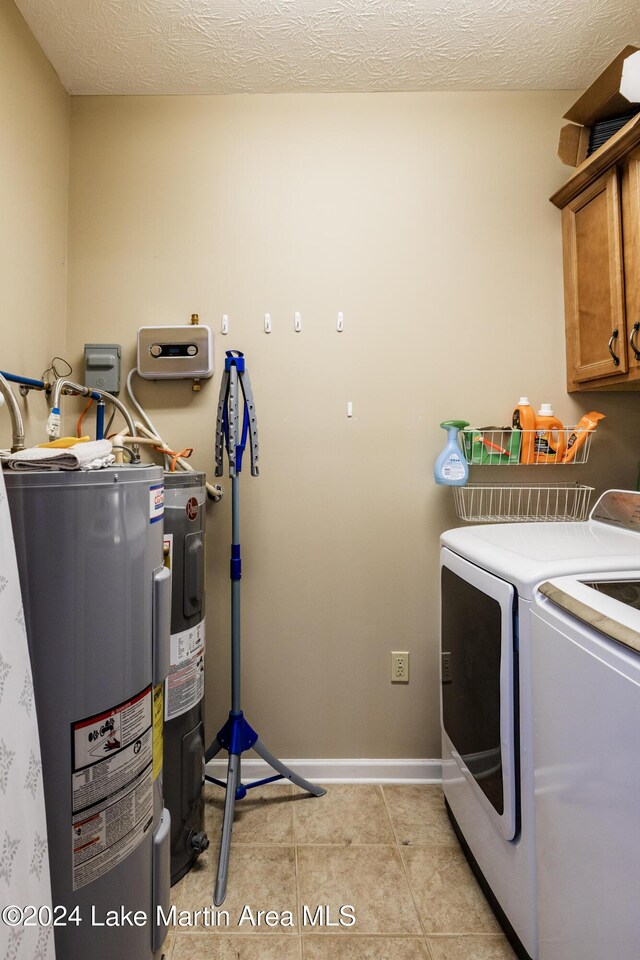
[(233, 431)]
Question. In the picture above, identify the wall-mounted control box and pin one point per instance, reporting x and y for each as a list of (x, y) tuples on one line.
[(175, 353), (102, 366)]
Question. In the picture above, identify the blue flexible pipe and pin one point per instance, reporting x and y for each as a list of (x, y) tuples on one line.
[(100, 420), (37, 384), (27, 381)]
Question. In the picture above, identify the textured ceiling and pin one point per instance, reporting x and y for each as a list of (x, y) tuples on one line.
[(252, 46)]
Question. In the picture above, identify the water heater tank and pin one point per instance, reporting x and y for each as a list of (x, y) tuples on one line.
[(97, 602), (185, 498)]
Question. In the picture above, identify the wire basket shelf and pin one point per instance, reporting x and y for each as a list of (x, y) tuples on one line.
[(508, 503), (524, 447)]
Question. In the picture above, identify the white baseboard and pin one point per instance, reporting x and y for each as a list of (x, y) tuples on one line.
[(340, 771)]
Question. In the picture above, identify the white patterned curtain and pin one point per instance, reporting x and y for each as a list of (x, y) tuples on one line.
[(24, 861)]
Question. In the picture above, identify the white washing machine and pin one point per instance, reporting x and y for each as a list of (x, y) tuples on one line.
[(488, 579), (585, 643)]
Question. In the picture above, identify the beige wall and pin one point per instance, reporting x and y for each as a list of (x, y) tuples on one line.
[(424, 217), (34, 120)]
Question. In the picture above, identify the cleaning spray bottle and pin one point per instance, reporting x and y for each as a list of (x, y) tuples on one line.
[(451, 466), (525, 419), (550, 441)]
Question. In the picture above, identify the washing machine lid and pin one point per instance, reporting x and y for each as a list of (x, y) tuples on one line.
[(527, 553), (608, 602)]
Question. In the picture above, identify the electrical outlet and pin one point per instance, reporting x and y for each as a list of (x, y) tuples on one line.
[(400, 666), (446, 668)]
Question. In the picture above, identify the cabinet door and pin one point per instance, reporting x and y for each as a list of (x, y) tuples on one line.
[(594, 283), (631, 239)]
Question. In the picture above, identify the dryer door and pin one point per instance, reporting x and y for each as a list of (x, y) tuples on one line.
[(480, 686)]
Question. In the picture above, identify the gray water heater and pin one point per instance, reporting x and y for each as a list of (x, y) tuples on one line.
[(184, 544), (96, 597)]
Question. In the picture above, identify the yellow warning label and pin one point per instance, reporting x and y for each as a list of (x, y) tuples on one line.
[(158, 727)]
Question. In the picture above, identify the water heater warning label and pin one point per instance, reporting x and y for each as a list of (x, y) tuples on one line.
[(156, 502), (112, 786), (185, 682)]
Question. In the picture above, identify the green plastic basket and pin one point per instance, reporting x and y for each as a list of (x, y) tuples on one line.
[(491, 445)]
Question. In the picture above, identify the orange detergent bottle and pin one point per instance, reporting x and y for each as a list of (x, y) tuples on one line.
[(587, 425), (525, 419), (550, 441)]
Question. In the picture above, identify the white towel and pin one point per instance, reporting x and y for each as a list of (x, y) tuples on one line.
[(91, 455)]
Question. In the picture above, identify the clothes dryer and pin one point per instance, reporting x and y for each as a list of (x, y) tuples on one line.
[(488, 578)]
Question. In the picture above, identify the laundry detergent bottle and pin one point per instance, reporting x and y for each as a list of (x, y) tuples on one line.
[(550, 442), (524, 419), (451, 466), (586, 425)]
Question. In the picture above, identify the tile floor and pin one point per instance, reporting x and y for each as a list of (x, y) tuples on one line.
[(387, 851)]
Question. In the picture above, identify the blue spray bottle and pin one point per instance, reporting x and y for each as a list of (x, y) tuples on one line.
[(451, 466)]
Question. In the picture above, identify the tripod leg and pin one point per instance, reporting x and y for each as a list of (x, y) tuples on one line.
[(213, 751), (227, 826), (278, 765)]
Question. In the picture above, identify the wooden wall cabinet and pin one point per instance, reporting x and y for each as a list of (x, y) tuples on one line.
[(601, 246)]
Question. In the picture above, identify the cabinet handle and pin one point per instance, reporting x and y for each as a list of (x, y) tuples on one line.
[(614, 336), (633, 341)]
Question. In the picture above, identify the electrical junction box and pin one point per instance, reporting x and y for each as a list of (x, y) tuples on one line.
[(175, 353), (102, 366)]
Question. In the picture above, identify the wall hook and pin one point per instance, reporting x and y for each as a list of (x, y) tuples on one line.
[(297, 321), (340, 323), (225, 324), (267, 323)]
